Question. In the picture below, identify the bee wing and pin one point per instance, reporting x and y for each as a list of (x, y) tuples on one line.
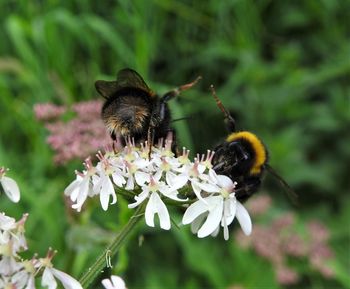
[(130, 78), (106, 88), (290, 192), (125, 78)]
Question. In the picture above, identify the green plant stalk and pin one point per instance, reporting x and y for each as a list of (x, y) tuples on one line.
[(100, 263)]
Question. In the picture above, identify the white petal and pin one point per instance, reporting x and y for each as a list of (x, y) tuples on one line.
[(176, 181), (193, 211), (216, 232), (67, 281), (149, 213), (171, 194), (83, 193), (141, 178), (10, 188), (224, 224), (130, 183), (198, 222), (213, 219), (201, 168), (8, 265), (169, 177), (107, 284), (139, 199), (141, 163), (47, 280), (213, 176), (20, 278), (157, 176), (197, 190), (97, 184), (209, 188), (30, 283), (107, 190), (73, 186), (230, 210), (156, 206), (244, 219), (7, 223), (225, 181), (118, 179), (118, 282)]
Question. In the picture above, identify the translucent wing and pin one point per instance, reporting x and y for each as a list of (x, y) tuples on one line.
[(290, 192), (106, 88), (130, 78), (126, 78)]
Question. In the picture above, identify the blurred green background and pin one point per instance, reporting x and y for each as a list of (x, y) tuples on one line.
[(281, 67)]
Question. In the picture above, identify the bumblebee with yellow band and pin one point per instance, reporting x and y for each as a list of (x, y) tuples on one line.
[(243, 157)]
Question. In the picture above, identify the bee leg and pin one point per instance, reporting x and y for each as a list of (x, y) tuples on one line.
[(114, 138), (163, 107), (247, 187), (150, 135), (171, 136), (218, 166), (176, 91), (221, 165)]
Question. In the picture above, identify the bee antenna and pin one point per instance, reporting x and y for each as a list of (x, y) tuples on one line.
[(220, 105), (217, 99)]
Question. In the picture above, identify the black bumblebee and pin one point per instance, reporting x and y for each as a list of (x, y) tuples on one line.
[(133, 110), (243, 157)]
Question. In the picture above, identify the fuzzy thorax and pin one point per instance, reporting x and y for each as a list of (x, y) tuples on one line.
[(257, 146)]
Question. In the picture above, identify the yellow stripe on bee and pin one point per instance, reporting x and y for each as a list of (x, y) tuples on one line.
[(257, 145)]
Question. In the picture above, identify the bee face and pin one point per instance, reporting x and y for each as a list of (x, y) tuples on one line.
[(126, 115)]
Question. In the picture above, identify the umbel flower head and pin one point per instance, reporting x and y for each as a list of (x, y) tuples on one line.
[(155, 178), (19, 273)]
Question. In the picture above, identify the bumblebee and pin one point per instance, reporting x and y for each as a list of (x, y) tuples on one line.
[(133, 110), (244, 158)]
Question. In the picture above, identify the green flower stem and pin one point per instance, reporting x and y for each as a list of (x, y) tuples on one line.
[(90, 275)]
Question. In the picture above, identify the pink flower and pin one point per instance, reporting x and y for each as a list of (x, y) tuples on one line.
[(78, 137)]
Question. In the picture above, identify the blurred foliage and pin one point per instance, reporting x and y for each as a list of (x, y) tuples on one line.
[(281, 67)]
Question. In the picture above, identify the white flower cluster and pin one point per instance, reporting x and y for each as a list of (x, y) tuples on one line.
[(9, 186), (18, 273), (159, 178)]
